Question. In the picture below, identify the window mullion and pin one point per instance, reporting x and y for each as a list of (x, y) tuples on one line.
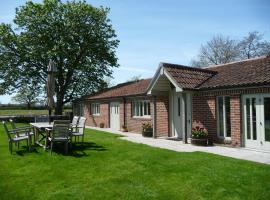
[(224, 117)]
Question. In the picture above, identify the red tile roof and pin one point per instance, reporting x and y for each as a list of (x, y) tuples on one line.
[(252, 72), (188, 77), (121, 90)]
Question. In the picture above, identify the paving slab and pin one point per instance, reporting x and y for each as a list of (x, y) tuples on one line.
[(179, 146)]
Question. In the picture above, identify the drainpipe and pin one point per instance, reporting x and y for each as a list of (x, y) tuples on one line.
[(125, 121), (155, 117)]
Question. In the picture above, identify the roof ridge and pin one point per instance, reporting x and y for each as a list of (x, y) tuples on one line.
[(238, 61), (188, 67)]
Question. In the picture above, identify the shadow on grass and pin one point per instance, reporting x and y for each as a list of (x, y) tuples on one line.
[(77, 149)]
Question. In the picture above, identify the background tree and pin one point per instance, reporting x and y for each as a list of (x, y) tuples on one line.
[(221, 50), (253, 46), (78, 37), (27, 94), (218, 50)]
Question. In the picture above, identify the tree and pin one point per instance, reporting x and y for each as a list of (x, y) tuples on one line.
[(27, 94), (219, 50), (252, 46), (135, 78), (78, 37)]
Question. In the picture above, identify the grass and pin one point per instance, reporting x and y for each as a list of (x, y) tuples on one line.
[(26, 112), (106, 167)]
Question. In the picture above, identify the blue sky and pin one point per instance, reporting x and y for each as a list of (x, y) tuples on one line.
[(152, 31)]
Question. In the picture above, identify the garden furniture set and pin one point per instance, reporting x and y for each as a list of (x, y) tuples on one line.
[(58, 131)]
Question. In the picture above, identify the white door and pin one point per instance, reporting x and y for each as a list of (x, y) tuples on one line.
[(114, 116), (256, 109), (177, 115), (265, 121)]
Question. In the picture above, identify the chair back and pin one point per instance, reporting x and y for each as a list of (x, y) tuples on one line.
[(61, 129), (6, 129), (81, 125), (12, 124), (42, 118), (75, 121)]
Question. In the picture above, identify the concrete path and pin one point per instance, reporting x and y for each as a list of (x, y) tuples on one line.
[(240, 153)]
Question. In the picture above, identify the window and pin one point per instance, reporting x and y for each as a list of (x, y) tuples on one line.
[(224, 116), (141, 108), (95, 109)]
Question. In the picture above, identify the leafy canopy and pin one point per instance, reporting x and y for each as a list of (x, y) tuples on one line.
[(78, 37)]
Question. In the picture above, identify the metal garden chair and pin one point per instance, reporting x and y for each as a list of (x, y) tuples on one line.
[(59, 133), (26, 128), (17, 136), (79, 129)]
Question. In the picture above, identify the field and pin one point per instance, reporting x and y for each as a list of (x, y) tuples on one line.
[(5, 112)]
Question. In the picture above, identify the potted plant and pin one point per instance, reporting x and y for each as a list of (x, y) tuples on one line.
[(124, 128), (101, 125), (199, 136), (147, 130)]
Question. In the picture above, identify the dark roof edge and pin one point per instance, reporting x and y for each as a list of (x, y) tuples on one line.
[(188, 67), (251, 85)]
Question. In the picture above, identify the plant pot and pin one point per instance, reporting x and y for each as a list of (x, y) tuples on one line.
[(147, 133), (101, 125), (124, 130), (199, 141)]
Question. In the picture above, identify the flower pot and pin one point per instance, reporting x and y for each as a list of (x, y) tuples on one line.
[(147, 133), (101, 125), (124, 130), (199, 141)]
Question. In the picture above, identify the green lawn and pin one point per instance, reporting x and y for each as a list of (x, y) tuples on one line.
[(26, 112), (106, 167)]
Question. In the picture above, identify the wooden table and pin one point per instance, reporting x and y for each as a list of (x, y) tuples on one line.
[(39, 129)]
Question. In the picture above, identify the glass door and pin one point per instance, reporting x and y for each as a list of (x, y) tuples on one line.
[(256, 109), (265, 126), (251, 119)]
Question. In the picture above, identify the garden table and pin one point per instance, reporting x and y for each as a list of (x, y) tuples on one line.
[(39, 129)]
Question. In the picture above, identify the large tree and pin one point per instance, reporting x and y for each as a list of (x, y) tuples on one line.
[(221, 50), (78, 37)]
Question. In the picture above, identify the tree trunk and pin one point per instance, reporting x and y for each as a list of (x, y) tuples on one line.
[(59, 107), (28, 106)]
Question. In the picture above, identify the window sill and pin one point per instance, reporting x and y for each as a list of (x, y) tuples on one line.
[(96, 115), (141, 117)]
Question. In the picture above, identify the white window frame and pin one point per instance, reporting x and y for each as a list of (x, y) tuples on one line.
[(136, 111), (224, 118), (95, 109)]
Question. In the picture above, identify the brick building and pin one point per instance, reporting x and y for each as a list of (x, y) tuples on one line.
[(232, 101)]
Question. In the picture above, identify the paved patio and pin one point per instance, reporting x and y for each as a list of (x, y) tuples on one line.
[(240, 153)]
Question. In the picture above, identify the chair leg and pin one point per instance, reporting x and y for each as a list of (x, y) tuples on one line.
[(27, 143), (66, 149), (10, 147), (51, 146)]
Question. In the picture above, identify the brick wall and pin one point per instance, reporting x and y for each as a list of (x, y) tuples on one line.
[(204, 112), (93, 120), (162, 103), (135, 124)]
